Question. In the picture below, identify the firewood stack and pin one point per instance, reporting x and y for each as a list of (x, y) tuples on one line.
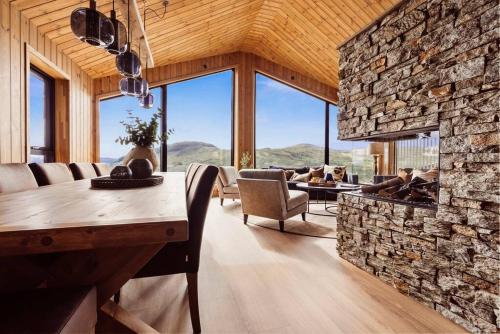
[(421, 187)]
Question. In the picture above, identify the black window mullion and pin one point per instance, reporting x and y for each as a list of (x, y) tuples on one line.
[(164, 149), (327, 133)]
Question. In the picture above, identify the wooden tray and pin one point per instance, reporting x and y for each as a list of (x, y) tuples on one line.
[(107, 182)]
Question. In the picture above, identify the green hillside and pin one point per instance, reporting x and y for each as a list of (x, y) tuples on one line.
[(182, 153)]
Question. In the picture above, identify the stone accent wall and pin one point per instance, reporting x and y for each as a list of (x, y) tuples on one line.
[(431, 63), (423, 257), (423, 59)]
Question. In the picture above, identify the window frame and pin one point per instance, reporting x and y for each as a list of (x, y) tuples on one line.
[(164, 119), (48, 150), (326, 153)]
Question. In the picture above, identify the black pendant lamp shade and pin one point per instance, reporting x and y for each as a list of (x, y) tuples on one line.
[(128, 63), (91, 26), (146, 101), (119, 44), (130, 86)]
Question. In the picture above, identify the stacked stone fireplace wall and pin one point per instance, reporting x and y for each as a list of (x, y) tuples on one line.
[(427, 64)]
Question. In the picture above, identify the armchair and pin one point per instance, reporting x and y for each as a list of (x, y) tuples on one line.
[(226, 183), (264, 193)]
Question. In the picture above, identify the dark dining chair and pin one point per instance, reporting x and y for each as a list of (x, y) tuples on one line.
[(102, 169), (82, 170), (16, 177), (51, 173), (184, 257)]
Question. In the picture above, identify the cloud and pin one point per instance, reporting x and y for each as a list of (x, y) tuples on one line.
[(276, 86)]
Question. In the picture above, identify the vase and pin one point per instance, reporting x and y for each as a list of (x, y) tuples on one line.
[(139, 152), (141, 168)]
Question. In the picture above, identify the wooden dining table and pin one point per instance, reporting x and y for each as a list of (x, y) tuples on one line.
[(71, 235)]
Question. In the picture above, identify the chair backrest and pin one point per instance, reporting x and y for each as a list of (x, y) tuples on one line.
[(82, 170), (267, 174), (227, 175), (16, 177), (51, 173), (200, 181), (102, 169)]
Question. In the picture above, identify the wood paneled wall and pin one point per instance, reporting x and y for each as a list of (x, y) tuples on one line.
[(16, 31), (245, 65)]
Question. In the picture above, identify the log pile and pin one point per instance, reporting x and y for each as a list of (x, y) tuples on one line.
[(416, 190)]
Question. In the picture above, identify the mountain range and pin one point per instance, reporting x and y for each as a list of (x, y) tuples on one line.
[(182, 153)]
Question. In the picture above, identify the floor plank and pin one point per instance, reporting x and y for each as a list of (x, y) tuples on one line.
[(256, 280)]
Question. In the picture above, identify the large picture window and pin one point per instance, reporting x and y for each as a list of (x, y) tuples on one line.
[(111, 112), (200, 112), (289, 126), (41, 116), (295, 129)]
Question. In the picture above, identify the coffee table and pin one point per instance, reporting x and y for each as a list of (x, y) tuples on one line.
[(339, 187)]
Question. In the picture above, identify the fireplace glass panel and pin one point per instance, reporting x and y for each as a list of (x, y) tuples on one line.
[(419, 153)]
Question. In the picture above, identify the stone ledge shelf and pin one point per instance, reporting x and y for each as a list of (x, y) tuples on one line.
[(394, 201)]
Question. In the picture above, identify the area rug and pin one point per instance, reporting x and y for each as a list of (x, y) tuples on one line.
[(314, 226)]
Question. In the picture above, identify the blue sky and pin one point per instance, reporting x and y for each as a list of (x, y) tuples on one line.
[(111, 112), (200, 110), (37, 108), (286, 116)]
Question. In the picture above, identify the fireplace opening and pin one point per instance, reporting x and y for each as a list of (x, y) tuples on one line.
[(416, 177)]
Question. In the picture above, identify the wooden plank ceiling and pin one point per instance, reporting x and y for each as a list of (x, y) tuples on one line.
[(302, 35)]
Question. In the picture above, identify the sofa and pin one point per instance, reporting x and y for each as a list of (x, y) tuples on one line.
[(292, 185)]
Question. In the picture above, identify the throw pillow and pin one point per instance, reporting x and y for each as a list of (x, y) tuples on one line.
[(300, 177), (338, 172), (289, 173), (317, 172)]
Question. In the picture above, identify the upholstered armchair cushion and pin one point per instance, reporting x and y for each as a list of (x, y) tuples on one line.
[(82, 170), (267, 174), (232, 189), (264, 193), (261, 197), (228, 175), (297, 198), (16, 177), (226, 183), (51, 173)]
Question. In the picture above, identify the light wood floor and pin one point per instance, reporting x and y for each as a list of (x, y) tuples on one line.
[(256, 280)]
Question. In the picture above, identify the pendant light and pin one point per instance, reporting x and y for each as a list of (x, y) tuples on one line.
[(128, 63), (146, 100), (92, 26), (119, 44), (130, 86)]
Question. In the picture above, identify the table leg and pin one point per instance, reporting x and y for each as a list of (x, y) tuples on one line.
[(112, 318)]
